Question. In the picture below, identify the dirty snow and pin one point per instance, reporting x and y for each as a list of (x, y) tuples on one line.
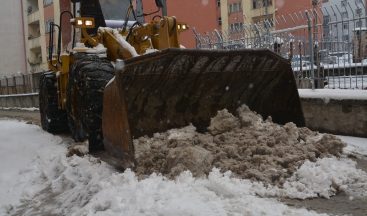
[(37, 178), (244, 144)]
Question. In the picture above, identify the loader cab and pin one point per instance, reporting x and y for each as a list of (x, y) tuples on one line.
[(113, 13)]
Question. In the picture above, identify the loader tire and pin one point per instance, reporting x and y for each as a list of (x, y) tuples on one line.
[(73, 107), (91, 74), (53, 119)]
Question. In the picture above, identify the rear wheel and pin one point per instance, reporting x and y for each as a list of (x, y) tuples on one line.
[(88, 78), (53, 119)]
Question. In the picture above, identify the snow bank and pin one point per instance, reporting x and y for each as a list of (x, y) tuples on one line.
[(337, 94)]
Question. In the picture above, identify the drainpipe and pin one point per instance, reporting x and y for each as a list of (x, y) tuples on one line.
[(24, 43)]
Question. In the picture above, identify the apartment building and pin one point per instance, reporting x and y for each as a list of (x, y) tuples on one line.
[(279, 14), (236, 13), (12, 57), (342, 17), (38, 15)]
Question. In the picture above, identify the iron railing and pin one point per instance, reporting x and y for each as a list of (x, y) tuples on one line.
[(20, 84), (326, 46)]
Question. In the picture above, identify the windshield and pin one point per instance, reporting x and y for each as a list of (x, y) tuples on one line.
[(115, 9)]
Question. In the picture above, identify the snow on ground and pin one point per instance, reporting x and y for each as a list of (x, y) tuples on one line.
[(356, 145), (20, 108), (337, 94), (21, 148), (36, 173)]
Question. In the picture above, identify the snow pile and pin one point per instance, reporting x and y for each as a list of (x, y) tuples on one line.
[(248, 146)]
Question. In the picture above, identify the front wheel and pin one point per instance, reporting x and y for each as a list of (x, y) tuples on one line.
[(53, 119), (90, 75)]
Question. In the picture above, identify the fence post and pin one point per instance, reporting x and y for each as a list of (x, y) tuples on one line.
[(15, 85), (7, 86), (24, 85), (31, 82), (310, 40)]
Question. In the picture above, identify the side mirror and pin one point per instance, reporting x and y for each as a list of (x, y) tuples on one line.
[(159, 3)]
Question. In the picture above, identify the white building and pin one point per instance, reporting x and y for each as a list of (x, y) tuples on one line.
[(12, 48), (341, 17)]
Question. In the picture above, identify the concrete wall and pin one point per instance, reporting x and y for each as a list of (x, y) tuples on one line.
[(12, 53), (343, 117), (21, 100)]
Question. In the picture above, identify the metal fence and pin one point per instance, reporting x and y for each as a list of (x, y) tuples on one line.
[(20, 84), (326, 45)]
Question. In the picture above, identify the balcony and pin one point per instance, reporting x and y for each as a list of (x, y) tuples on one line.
[(34, 17), (34, 43)]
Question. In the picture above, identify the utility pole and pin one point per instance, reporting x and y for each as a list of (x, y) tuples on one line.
[(315, 3)]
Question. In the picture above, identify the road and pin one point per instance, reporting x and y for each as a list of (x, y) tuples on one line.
[(339, 205)]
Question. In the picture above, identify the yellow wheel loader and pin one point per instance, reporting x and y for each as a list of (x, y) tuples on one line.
[(110, 88)]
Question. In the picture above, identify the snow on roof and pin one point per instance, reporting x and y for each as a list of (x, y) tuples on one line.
[(336, 94)]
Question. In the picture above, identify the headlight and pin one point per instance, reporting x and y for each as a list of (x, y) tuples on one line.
[(182, 27), (88, 22), (83, 22)]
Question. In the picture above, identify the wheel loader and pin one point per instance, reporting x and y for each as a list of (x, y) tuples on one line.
[(110, 88)]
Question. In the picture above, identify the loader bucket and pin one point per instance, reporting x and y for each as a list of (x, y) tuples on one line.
[(175, 87)]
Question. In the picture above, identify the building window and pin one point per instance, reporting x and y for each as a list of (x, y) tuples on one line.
[(220, 21), (326, 20), (345, 26), (47, 25), (236, 27), (359, 11), (345, 15), (47, 2), (218, 3), (256, 4), (235, 7), (344, 3), (345, 37), (359, 23)]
